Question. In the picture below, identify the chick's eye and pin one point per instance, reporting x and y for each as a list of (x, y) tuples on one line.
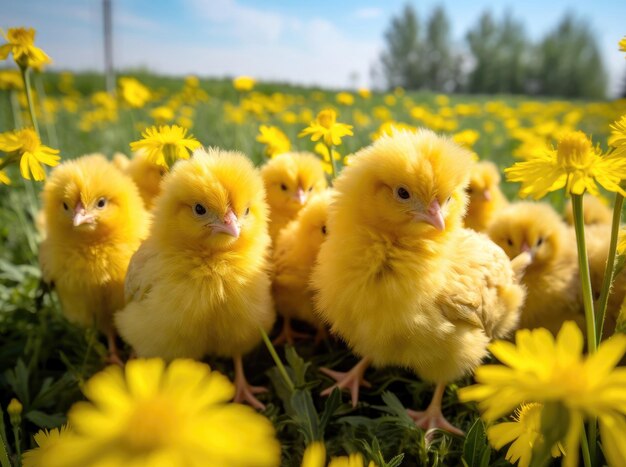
[(509, 241), (247, 211), (324, 229), (403, 193), (283, 187), (199, 209), (469, 191), (540, 241), (102, 202), (65, 206), (310, 188)]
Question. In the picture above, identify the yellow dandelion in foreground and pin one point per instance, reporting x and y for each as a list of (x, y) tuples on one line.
[(539, 368), (314, 455), (353, 460), (244, 83), (618, 135), (575, 165), (151, 415), (325, 126), (275, 140), (133, 92), (166, 144), (622, 44), (25, 145), (46, 442), (21, 42), (524, 433)]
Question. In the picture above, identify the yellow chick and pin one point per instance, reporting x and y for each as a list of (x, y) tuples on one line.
[(485, 197), (552, 280), (147, 176), (595, 211), (290, 179), (399, 278), (120, 161), (95, 221), (199, 284), (294, 255)]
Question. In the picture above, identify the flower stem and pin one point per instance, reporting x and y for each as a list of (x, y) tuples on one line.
[(15, 108), (332, 163), (585, 448), (18, 443), (610, 268), (47, 118), (276, 358), (29, 98), (585, 279)]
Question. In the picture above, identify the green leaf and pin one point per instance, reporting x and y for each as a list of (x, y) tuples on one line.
[(305, 415), (43, 420), (476, 450), (18, 380), (396, 461), (297, 364), (330, 407)]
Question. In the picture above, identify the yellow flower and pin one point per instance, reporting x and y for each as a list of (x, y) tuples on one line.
[(314, 455), (345, 98), (21, 42), (162, 114), (622, 44), (46, 442), (365, 93), (10, 79), (353, 460), (322, 150), (466, 138), (275, 140), (14, 409), (150, 415), (244, 83), (618, 135), (621, 242), (4, 178), (326, 126), (575, 165), (524, 433), (166, 144), (539, 368), (26, 145), (133, 92)]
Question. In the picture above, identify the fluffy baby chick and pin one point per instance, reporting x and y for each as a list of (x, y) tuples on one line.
[(146, 174), (595, 211), (400, 279), (485, 197), (199, 284), (552, 280), (295, 252), (95, 221), (289, 180)]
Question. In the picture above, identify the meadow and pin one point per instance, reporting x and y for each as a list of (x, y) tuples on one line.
[(44, 360)]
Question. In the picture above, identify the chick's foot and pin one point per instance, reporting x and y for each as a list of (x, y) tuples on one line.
[(289, 335), (351, 380), (114, 355), (244, 392), (432, 419)]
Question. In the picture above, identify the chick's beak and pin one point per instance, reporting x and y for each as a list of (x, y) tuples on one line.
[(229, 225), (525, 248), (487, 195), (433, 216), (300, 196), (81, 216)]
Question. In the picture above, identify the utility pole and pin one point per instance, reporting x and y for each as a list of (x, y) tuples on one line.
[(108, 47)]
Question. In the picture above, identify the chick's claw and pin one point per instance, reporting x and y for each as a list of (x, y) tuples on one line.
[(351, 380), (245, 393), (430, 420), (289, 335)]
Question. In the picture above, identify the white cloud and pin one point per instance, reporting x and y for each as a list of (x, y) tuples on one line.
[(368, 12)]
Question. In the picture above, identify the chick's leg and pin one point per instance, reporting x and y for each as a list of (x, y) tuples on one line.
[(289, 334), (243, 391), (350, 380), (432, 418), (114, 355)]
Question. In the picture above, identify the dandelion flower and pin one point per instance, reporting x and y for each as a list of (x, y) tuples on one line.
[(26, 145), (345, 98), (353, 460), (314, 455), (575, 164), (622, 44), (618, 135), (11, 79), (46, 442), (21, 42), (244, 83), (275, 140), (524, 432), (326, 126), (466, 138), (162, 114), (539, 368), (365, 93), (151, 415), (4, 178), (133, 92), (166, 144)]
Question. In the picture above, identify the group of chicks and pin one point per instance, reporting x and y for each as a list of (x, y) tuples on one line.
[(194, 261)]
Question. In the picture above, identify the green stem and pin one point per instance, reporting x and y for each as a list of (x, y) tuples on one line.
[(332, 163), (585, 279), (15, 108), (18, 447), (276, 358), (50, 129), (610, 268), (585, 448), (29, 98)]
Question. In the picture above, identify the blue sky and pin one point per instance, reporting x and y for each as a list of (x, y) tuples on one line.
[(328, 43)]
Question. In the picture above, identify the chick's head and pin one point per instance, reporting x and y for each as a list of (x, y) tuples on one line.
[(484, 179), (90, 197), (290, 179), (408, 183), (312, 219), (215, 200), (530, 227), (147, 176)]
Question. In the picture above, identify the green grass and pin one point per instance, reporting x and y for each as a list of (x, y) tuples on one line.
[(44, 359)]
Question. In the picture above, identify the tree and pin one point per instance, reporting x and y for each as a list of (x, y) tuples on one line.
[(441, 66), (402, 59), (569, 62)]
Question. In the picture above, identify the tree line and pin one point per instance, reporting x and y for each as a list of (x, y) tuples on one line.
[(496, 56)]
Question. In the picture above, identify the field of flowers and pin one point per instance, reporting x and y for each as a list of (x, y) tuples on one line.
[(46, 363)]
